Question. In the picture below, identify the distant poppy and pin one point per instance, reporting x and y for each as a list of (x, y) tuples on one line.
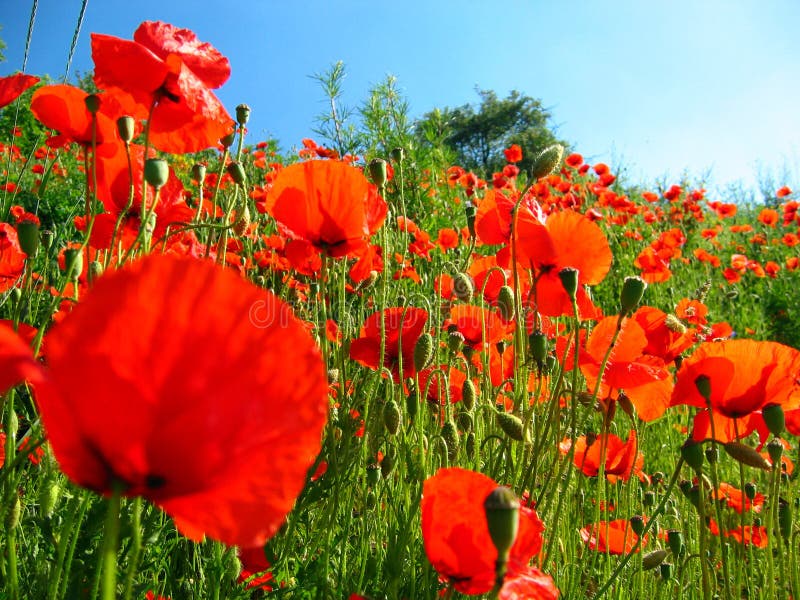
[(457, 540), (749, 535), (565, 239), (13, 86), (213, 414), (612, 537), (329, 204), (170, 69), (737, 499), (513, 153), (12, 258), (623, 459), (403, 327), (743, 376)]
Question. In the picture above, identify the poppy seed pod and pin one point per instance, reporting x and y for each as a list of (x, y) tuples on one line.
[(73, 263), (199, 173), (772, 413), (692, 453), (637, 524), (569, 281), (632, 292), (227, 141), (377, 171), (126, 127), (666, 570), (775, 451), (47, 238), (455, 341), (703, 385), (502, 518), (156, 172), (547, 161), (675, 540), (242, 114), (398, 154), (236, 171), (92, 102), (750, 490), (785, 519), (538, 343)]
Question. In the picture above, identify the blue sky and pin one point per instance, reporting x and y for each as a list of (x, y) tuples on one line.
[(656, 88)]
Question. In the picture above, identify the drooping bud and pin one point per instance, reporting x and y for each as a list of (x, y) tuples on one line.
[(391, 417), (511, 425), (465, 421), (502, 518), (463, 288), (28, 236), (450, 435), (547, 161), (423, 351), (632, 292), (746, 455), (703, 385), (470, 446), (774, 418), (471, 212), (156, 172), (626, 404), (775, 451), (637, 524), (675, 540), (73, 263), (538, 344), (569, 281), (126, 128), (692, 453), (387, 464), (236, 171), (505, 302), (377, 171), (412, 404), (242, 114), (653, 559)]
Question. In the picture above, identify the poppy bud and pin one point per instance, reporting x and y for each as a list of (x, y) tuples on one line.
[(637, 524), (423, 351), (243, 222), (236, 171), (470, 445), (377, 171), (28, 236), (412, 404), (511, 425), (653, 559), (468, 394), (712, 454), (156, 172), (95, 269), (372, 500), (703, 385), (785, 519), (391, 417), (750, 490), (547, 161), (373, 474), (440, 449), (12, 423), (464, 421), (455, 341), (773, 417), (649, 499), (242, 114), (632, 291), (48, 497), (463, 288), (538, 344), (450, 435), (398, 154), (73, 263), (685, 486), (657, 477), (387, 464), (92, 102), (505, 302), (569, 281), (13, 514), (675, 540), (471, 212), (550, 364), (746, 455), (626, 405), (775, 451), (199, 173), (502, 518), (666, 571), (126, 128), (674, 324), (692, 453)]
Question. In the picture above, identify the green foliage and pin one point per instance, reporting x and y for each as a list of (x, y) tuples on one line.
[(479, 134), (336, 125)]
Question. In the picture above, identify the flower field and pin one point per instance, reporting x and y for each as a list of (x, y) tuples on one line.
[(228, 372)]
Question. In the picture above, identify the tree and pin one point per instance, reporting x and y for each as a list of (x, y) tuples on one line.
[(478, 135)]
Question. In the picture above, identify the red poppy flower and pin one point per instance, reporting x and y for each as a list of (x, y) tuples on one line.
[(214, 414), (170, 67), (643, 378), (493, 219), (432, 385), (513, 153), (623, 459), (611, 537), (478, 325), (403, 327), (744, 376), (664, 340), (13, 86), (12, 258), (63, 108), (737, 499), (457, 539), (566, 239), (327, 203), (747, 535)]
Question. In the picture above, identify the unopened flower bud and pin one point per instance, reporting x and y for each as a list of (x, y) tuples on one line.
[(511, 425), (471, 212), (774, 418), (377, 171), (746, 455), (692, 453), (569, 281), (538, 344), (227, 141), (92, 102), (450, 435), (391, 417), (423, 351), (703, 385), (14, 513), (28, 236), (463, 288), (468, 394), (387, 464), (73, 263), (632, 292), (637, 524), (653, 559), (547, 161), (465, 422), (373, 474), (785, 520), (236, 171), (505, 302)]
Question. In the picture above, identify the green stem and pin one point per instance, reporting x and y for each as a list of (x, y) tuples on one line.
[(108, 581)]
